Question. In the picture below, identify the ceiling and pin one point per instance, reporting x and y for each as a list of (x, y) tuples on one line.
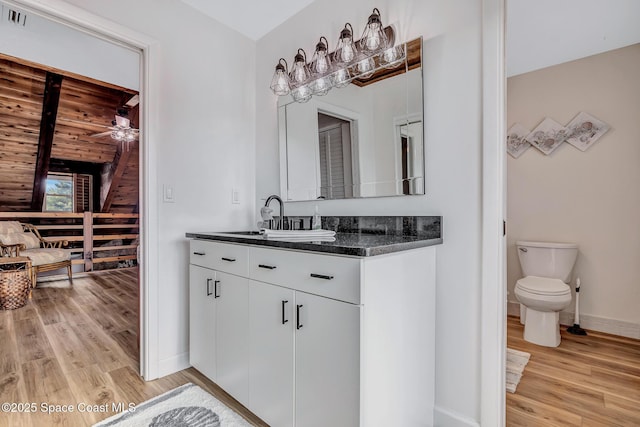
[(253, 18), (543, 33)]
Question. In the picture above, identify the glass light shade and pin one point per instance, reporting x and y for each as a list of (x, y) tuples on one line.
[(341, 77), (321, 86), (301, 93), (299, 71), (119, 134), (280, 83), (321, 62), (130, 135), (392, 57), (346, 50), (373, 37), (365, 68)]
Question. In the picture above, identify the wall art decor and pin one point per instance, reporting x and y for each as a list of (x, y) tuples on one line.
[(548, 136), (516, 142), (584, 130)]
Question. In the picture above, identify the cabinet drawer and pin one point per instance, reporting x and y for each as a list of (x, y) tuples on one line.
[(220, 256), (325, 275)]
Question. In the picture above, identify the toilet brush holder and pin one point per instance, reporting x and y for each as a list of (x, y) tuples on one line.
[(576, 329)]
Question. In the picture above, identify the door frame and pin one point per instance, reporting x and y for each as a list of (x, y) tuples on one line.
[(493, 301), (82, 20)]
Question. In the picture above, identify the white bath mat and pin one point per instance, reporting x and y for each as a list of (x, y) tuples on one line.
[(188, 405), (516, 361)]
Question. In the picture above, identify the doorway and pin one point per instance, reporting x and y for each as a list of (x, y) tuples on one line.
[(336, 176), (74, 19), (556, 196)]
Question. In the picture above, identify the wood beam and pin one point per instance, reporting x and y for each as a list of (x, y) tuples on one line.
[(112, 174), (50, 103)]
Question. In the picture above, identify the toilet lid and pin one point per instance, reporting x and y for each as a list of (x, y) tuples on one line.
[(543, 285)]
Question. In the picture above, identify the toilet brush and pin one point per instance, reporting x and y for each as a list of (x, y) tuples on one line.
[(576, 329)]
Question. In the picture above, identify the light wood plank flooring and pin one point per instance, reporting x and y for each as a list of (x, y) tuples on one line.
[(72, 345), (589, 380)]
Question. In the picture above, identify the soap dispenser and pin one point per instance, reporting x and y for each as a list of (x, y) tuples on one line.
[(316, 224)]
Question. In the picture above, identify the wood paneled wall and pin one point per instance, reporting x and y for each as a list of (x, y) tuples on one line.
[(86, 107), (21, 95)]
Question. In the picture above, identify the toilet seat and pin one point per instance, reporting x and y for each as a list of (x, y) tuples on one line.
[(543, 286)]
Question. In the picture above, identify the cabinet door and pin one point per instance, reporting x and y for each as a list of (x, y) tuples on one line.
[(327, 361), (231, 294), (202, 320), (271, 327)]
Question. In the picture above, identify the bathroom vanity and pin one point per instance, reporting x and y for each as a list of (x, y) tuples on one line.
[(318, 334)]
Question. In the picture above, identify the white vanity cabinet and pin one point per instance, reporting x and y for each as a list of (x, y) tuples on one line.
[(271, 353), (305, 349), (318, 339), (327, 349), (316, 331), (202, 320), (219, 316)]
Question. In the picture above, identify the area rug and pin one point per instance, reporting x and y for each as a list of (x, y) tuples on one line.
[(188, 405), (516, 361)]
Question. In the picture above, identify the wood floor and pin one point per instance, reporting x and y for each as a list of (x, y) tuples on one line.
[(78, 345), (589, 380)]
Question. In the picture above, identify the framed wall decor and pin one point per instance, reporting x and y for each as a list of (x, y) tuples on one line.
[(584, 130), (548, 136), (516, 142)]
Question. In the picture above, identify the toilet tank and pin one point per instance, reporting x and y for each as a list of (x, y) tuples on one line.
[(546, 259)]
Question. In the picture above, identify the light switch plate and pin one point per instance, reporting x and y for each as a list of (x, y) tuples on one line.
[(168, 194), (235, 196)]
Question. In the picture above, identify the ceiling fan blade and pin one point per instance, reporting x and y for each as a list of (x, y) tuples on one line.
[(135, 100), (102, 134)]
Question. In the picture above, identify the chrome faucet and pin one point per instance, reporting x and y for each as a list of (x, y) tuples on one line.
[(274, 197)]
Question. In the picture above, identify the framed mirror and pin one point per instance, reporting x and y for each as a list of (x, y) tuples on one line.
[(363, 140)]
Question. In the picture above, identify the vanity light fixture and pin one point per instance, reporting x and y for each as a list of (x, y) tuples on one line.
[(346, 50), (299, 77), (351, 60), (300, 71), (373, 37), (320, 68), (280, 83)]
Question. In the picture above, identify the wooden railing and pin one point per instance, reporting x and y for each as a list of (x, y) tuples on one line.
[(89, 234)]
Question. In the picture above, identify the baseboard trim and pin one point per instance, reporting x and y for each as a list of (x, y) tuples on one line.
[(513, 309), (173, 364), (445, 418), (594, 323)]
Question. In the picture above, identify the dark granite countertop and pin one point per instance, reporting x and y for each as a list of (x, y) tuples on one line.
[(353, 244), (360, 236)]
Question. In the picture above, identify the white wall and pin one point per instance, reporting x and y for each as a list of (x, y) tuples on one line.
[(46, 42), (590, 197), (566, 30), (205, 143), (452, 77)]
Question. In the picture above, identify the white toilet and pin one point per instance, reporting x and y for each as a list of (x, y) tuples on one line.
[(544, 292)]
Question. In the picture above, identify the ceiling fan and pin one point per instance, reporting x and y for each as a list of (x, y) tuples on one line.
[(121, 129)]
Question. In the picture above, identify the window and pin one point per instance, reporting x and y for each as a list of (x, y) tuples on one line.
[(67, 192), (58, 195)]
